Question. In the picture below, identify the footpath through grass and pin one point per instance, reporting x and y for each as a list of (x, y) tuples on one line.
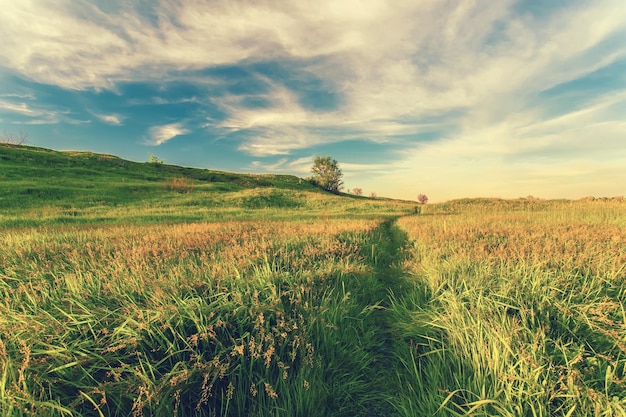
[(386, 253), (216, 319), (153, 290)]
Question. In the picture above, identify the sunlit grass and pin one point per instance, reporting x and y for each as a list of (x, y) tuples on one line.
[(191, 319), (152, 290), (516, 312), (481, 310)]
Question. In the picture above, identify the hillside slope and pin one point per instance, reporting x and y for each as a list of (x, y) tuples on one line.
[(40, 186), (34, 176)]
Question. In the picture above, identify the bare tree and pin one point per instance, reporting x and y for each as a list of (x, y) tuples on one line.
[(13, 138), (373, 194), (357, 191)]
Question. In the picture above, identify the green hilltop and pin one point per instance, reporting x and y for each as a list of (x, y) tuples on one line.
[(40, 186)]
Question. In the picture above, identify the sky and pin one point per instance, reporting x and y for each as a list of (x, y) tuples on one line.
[(452, 99)]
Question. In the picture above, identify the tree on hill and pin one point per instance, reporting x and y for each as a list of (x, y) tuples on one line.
[(422, 198), (327, 174), (154, 160), (358, 191)]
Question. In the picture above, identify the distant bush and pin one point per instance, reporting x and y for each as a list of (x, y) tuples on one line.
[(155, 160), (180, 184), (422, 198)]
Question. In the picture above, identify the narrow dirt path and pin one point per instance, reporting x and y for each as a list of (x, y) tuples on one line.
[(386, 255)]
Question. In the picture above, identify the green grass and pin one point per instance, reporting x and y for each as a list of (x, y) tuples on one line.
[(515, 311), (192, 320), (37, 177), (41, 187), (149, 290)]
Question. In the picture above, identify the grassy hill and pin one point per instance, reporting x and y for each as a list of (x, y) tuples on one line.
[(40, 186)]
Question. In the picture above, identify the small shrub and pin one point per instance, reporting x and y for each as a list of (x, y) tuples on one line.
[(155, 160), (180, 184)]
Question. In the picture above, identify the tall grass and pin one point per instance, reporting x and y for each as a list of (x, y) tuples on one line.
[(253, 318), (515, 312), (478, 308)]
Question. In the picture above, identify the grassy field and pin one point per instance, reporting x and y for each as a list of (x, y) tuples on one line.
[(517, 309), (194, 319), (152, 290)]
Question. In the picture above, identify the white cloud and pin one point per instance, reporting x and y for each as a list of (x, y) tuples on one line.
[(599, 109), (298, 166), (388, 59), (412, 73), (161, 134), (283, 127), (304, 164), (37, 114), (21, 108), (112, 119), (28, 96)]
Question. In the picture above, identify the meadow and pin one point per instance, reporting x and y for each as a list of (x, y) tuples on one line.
[(517, 309), (151, 290), (188, 319)]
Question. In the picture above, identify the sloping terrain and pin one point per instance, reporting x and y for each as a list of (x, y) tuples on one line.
[(44, 187)]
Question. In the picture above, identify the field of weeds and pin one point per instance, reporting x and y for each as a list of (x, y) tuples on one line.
[(478, 308)]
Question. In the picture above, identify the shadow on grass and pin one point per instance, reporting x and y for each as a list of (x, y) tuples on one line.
[(385, 251)]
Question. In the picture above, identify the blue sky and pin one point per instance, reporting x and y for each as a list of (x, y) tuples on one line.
[(447, 98)]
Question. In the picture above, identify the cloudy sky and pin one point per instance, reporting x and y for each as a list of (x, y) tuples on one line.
[(450, 98)]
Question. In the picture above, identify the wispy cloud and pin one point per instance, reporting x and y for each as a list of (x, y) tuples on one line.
[(112, 119), (21, 108), (28, 96), (161, 134), (301, 166), (281, 142), (36, 114), (438, 56)]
